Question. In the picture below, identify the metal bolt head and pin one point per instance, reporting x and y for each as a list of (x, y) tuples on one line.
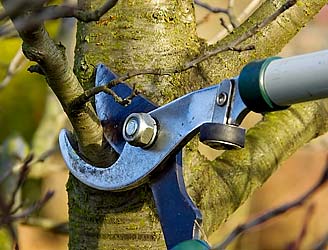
[(222, 98), (131, 127), (140, 130)]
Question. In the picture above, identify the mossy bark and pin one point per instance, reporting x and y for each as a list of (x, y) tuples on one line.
[(138, 34)]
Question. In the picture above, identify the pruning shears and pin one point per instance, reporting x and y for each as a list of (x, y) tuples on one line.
[(149, 139)]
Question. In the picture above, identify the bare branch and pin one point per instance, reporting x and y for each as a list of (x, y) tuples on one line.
[(56, 12), (9, 211), (274, 212), (211, 8), (47, 224), (296, 244), (251, 7), (226, 26), (21, 179), (322, 244), (252, 31), (52, 12), (16, 7), (107, 87), (35, 207), (46, 154), (228, 11), (15, 65)]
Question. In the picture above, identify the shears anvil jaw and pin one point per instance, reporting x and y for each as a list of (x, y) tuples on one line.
[(178, 121)]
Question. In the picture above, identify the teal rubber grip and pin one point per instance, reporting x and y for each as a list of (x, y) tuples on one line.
[(251, 87), (192, 245)]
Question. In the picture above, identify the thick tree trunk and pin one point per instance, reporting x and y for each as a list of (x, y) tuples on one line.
[(140, 34), (134, 35)]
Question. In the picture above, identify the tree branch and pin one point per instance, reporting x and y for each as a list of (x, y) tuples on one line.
[(85, 97), (39, 47), (228, 11), (322, 245), (9, 211), (211, 8), (229, 180), (274, 212), (296, 244), (232, 46), (55, 12), (51, 12), (15, 65), (249, 33)]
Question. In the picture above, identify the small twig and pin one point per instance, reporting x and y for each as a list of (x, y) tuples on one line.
[(228, 11), (47, 224), (201, 231), (9, 211), (296, 244), (250, 8), (252, 31), (225, 25), (211, 8), (41, 14), (16, 7), (45, 155), (241, 49), (15, 65), (16, 209), (81, 100), (274, 212), (65, 11), (31, 209), (21, 179), (322, 244)]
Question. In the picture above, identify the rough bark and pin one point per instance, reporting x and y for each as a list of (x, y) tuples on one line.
[(141, 34)]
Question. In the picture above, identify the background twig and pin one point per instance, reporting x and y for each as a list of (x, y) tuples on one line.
[(273, 213)]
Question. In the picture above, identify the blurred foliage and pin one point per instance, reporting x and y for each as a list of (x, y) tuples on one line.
[(4, 243), (22, 101)]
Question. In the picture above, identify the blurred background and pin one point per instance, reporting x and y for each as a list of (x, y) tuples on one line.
[(30, 120)]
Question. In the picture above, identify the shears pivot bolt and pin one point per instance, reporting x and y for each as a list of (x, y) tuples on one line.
[(140, 130), (222, 99)]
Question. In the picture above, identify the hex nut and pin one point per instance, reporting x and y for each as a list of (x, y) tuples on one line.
[(140, 130)]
